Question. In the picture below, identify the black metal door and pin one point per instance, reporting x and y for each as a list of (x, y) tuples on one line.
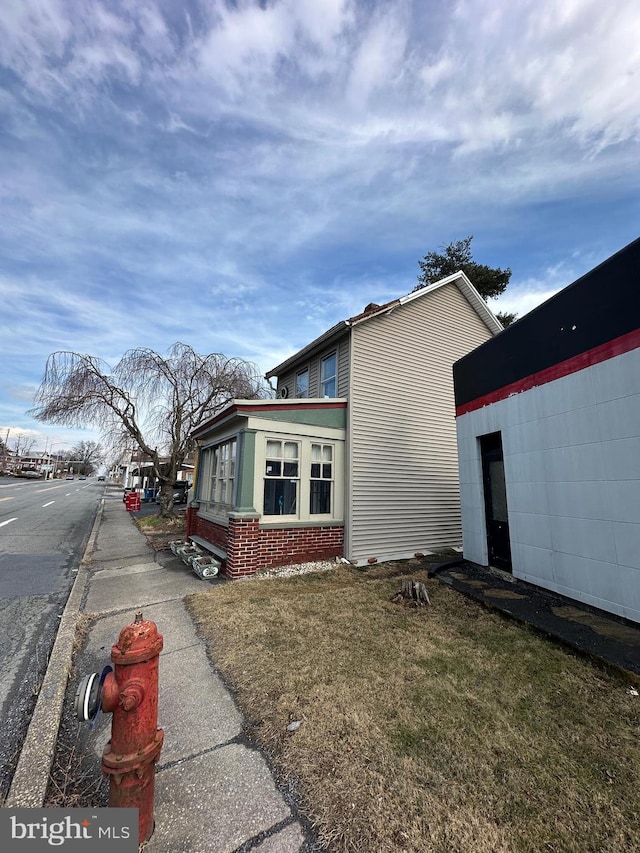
[(495, 501)]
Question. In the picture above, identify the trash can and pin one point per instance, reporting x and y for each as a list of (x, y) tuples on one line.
[(148, 494), (132, 501)]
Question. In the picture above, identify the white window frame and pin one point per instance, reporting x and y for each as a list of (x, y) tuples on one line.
[(281, 460), (300, 373), (302, 516), (324, 379), (321, 475), (218, 473)]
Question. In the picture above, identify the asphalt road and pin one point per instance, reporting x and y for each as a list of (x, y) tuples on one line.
[(44, 527)]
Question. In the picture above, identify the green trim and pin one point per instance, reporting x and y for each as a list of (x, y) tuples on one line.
[(326, 417), (245, 461)]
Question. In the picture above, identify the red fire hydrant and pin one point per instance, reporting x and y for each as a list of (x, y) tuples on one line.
[(130, 693)]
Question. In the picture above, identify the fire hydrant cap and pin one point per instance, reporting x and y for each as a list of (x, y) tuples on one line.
[(138, 641)]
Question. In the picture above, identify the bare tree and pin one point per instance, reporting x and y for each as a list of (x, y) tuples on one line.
[(89, 455), (5, 454), (154, 400), (23, 445)]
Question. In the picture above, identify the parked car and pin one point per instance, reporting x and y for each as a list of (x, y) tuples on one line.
[(180, 492), (69, 477), (82, 477)]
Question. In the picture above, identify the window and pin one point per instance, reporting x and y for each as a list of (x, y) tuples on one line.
[(328, 376), (302, 383), (281, 477), (321, 485), (219, 470)]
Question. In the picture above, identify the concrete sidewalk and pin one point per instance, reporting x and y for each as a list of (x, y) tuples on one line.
[(214, 792)]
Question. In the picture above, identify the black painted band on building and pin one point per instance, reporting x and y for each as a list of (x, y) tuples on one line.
[(601, 307)]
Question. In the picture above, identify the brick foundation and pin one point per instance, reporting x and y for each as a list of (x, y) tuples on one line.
[(249, 548)]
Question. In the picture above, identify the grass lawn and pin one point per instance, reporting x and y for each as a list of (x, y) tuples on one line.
[(442, 728)]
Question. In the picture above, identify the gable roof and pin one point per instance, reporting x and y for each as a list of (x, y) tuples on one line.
[(373, 310)]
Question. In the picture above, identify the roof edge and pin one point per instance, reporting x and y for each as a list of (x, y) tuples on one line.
[(464, 285), (461, 281), (321, 339)]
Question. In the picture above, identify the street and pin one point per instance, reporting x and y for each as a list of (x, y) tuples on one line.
[(44, 526)]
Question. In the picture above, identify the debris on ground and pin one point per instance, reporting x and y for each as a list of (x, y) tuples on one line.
[(295, 569), (413, 593)]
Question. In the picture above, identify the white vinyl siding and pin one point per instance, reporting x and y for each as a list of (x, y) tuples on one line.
[(403, 490)]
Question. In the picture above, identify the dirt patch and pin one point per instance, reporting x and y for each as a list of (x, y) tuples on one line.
[(160, 532), (605, 627), (503, 593)]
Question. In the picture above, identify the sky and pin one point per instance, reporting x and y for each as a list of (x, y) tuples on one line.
[(240, 176)]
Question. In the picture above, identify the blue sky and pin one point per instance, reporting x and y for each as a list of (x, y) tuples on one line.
[(242, 175)]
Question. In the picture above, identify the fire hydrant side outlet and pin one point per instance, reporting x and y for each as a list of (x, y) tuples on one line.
[(131, 694)]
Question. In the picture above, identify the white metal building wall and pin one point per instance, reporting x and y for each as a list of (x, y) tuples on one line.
[(572, 468)]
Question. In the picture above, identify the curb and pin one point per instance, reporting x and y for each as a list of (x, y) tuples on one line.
[(31, 778)]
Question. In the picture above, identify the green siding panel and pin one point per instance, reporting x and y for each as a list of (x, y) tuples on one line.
[(245, 473)]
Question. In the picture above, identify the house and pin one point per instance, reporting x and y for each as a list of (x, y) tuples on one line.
[(356, 456), (548, 422), (137, 473)]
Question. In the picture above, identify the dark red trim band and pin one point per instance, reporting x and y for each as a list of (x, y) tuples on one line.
[(618, 346)]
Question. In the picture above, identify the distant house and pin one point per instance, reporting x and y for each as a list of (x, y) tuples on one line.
[(356, 456), (548, 420)]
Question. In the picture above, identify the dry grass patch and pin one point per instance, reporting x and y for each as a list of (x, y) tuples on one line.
[(443, 728)]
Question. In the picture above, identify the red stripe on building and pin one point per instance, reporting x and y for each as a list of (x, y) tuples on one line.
[(603, 352)]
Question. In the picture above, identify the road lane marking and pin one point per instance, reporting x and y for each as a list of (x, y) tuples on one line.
[(7, 499), (8, 521), (48, 489), (49, 504)]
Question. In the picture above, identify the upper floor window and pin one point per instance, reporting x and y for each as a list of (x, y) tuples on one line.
[(302, 383), (328, 376), (281, 477)]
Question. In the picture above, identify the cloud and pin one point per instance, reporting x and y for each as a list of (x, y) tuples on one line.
[(243, 175)]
